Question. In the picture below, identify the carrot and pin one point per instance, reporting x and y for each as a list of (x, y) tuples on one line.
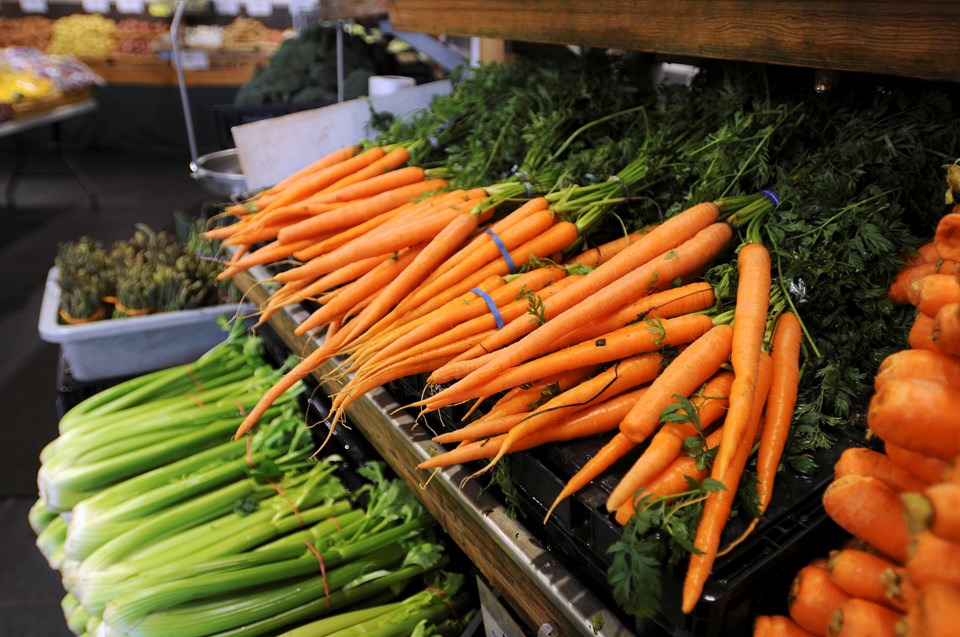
[(525, 225), (270, 253), (628, 341), (439, 248), (921, 334), (610, 283), (667, 444), (946, 329), (389, 268), (918, 415), (860, 574), (718, 504), (813, 598), (928, 469), (603, 253), (688, 371), (787, 337), (781, 626), (936, 509), (360, 211), (947, 236), (899, 290), (303, 289), (391, 162), (862, 618), (467, 307), (674, 480), (666, 304), (589, 421), (932, 292), (761, 626), (932, 559), (335, 157), (315, 182), (921, 365), (867, 462), (749, 324), (379, 241), (869, 510), (936, 612), (927, 253)]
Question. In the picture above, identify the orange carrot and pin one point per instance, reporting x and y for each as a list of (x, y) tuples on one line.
[(813, 598), (861, 574), (412, 232), (628, 341), (270, 253), (718, 504), (761, 626), (390, 162), (899, 290), (589, 421), (361, 288), (666, 304), (869, 510), (606, 287), (683, 376), (711, 403), (302, 289), (946, 329), (947, 236), (862, 618), (781, 626), (932, 292), (438, 249), (781, 401), (936, 612), (603, 253), (749, 324), (936, 509), (932, 559), (921, 365), (928, 469), (335, 157), (867, 462), (918, 415), (316, 181), (921, 334), (355, 213), (927, 253)]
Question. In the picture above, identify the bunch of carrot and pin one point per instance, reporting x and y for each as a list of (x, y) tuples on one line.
[(901, 574)]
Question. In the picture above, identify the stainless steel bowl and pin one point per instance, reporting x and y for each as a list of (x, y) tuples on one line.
[(220, 173)]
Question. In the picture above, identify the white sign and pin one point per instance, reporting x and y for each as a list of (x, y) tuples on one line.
[(259, 8), (227, 7), (194, 60), (33, 6), (129, 6), (96, 6)]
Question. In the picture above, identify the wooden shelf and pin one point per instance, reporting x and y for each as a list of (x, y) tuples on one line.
[(534, 582), (913, 39), (346, 9), (156, 72)]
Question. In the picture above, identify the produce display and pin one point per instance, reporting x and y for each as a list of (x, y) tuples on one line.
[(454, 246), (899, 574), (246, 34), (161, 525), (84, 35), (138, 37), (32, 32), (304, 68), (151, 272)]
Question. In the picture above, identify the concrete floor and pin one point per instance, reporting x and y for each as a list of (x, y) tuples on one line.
[(51, 208)]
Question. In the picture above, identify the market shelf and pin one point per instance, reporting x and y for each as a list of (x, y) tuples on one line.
[(537, 585), (914, 39)]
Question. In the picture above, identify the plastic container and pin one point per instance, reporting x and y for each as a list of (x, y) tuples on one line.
[(129, 346)]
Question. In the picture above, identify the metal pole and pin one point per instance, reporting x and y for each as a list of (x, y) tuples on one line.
[(175, 50), (339, 61)]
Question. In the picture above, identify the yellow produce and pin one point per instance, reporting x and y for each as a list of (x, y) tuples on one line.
[(83, 35), (20, 85)]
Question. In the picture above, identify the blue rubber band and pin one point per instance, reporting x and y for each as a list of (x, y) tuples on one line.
[(772, 196), (503, 249), (528, 188), (623, 185), (490, 304)]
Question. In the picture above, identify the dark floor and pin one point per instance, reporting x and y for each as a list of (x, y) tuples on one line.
[(51, 208)]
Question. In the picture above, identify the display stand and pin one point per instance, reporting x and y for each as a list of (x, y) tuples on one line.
[(52, 118)]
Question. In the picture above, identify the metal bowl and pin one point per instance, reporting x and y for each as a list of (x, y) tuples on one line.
[(220, 173)]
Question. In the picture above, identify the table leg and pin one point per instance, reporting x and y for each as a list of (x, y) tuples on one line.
[(15, 172), (74, 169)]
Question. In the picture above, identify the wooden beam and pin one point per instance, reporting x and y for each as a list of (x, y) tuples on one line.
[(345, 9), (914, 39)]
